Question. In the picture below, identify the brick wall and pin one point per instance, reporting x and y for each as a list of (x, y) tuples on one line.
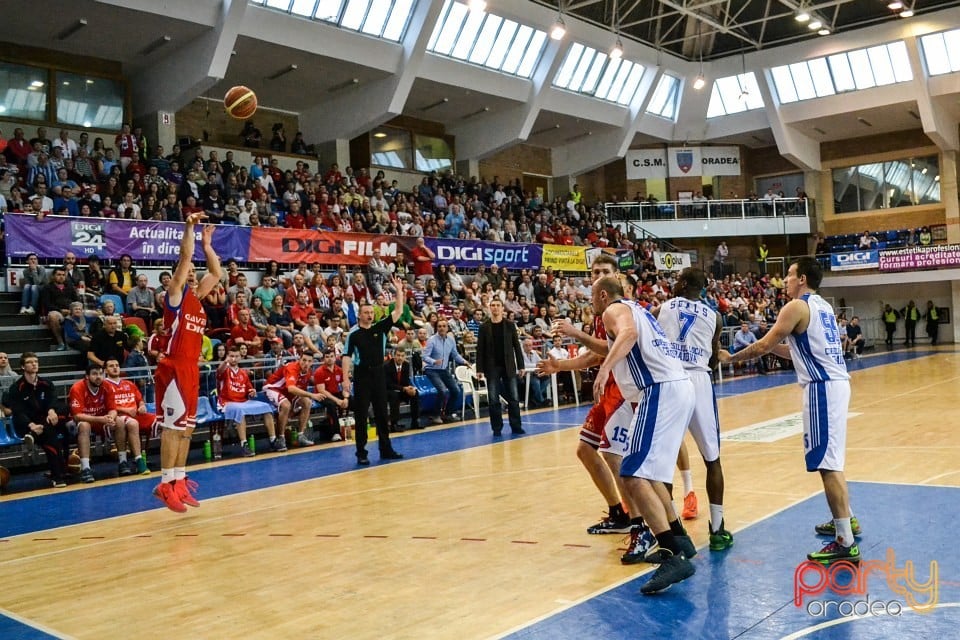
[(512, 163), (881, 143), (208, 115), (903, 218)]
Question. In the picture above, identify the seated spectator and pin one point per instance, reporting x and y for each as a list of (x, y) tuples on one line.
[(400, 389), (125, 403), (88, 410), (123, 277), (287, 391), (437, 355), (538, 384), (855, 339), (244, 333), (93, 278), (235, 393), (108, 343), (867, 241), (32, 279), (76, 329), (55, 300), (142, 302)]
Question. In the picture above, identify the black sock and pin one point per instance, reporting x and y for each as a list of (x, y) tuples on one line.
[(677, 529), (668, 542), (638, 521), (616, 512)]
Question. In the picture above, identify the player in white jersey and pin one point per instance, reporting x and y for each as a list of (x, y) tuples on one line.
[(809, 325), (694, 332), (638, 358)]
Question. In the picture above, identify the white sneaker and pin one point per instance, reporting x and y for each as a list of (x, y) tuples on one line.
[(336, 438), (304, 440), (30, 311), (23, 311)]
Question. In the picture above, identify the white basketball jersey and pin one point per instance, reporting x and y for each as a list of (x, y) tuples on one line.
[(818, 352), (649, 361), (690, 325)]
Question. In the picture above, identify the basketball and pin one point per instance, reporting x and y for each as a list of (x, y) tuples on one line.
[(4, 478), (73, 463), (240, 102)]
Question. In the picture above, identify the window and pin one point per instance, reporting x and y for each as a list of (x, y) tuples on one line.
[(89, 101), (884, 185), (734, 94), (666, 98), (590, 72), (23, 92), (391, 147), (878, 66), (941, 51), (385, 19), (486, 40), (432, 154)]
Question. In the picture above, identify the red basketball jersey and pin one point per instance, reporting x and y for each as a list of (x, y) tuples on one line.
[(122, 396), (233, 385), (84, 401), (186, 325)]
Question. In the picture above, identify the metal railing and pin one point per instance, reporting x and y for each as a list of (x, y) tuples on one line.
[(706, 210)]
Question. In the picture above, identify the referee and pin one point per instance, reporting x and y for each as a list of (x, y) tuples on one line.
[(363, 359)]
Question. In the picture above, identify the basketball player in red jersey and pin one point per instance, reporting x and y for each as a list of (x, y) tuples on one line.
[(177, 376)]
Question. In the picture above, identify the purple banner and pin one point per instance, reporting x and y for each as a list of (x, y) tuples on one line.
[(472, 253), (941, 255), (109, 239)]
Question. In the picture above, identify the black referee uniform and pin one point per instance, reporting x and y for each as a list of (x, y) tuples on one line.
[(367, 349)]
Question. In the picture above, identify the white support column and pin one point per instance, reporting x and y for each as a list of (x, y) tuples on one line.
[(355, 112), (796, 147), (487, 134), (190, 70)]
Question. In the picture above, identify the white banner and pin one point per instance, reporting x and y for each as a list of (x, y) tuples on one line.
[(720, 161), (683, 161), (646, 163), (677, 162), (671, 260)]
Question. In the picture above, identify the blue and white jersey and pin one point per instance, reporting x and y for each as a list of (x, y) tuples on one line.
[(818, 352), (649, 361), (690, 325)]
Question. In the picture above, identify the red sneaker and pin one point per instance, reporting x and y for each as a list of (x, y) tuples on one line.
[(690, 506), (168, 496), (182, 489)]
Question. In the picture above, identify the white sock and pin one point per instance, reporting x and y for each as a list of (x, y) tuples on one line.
[(122, 455), (687, 481), (844, 531), (716, 517), (179, 473), (166, 475), (138, 457), (84, 463)]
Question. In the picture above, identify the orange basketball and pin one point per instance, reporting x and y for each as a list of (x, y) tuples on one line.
[(73, 463), (4, 477), (240, 102)]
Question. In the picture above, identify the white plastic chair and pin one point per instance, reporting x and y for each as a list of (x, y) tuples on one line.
[(464, 375)]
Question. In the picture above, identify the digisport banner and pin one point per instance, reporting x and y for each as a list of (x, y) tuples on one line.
[(854, 260), (471, 254), (54, 236), (671, 260), (564, 258), (943, 255)]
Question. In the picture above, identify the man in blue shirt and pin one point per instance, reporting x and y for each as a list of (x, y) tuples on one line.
[(440, 349), (454, 221)]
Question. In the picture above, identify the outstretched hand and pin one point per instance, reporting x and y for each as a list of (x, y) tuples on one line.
[(196, 217), (723, 356), (207, 234)]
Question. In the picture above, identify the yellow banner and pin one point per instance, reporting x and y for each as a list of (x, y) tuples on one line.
[(564, 258)]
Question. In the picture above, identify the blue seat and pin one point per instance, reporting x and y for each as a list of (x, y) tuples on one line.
[(8, 437), (206, 412), (117, 301)]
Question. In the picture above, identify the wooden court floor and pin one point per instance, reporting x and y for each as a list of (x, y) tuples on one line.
[(472, 543)]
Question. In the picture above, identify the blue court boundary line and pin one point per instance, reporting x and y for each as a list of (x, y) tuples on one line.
[(54, 509)]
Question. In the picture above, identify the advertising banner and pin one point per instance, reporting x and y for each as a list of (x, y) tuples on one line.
[(942, 255), (683, 161), (564, 258), (646, 163), (720, 161), (325, 247), (671, 260), (471, 254), (855, 260)]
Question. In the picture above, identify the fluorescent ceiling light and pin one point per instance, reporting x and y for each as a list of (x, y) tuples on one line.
[(813, 25), (559, 30), (617, 52), (803, 16), (699, 83), (895, 5), (906, 13)]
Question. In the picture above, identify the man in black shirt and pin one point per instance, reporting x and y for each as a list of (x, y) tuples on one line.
[(363, 360), (108, 343), (499, 357), (855, 337)]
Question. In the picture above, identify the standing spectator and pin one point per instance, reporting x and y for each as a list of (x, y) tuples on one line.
[(423, 259), (379, 272), (890, 317), (400, 388), (55, 300), (911, 316), (499, 358), (32, 279), (235, 392), (127, 146), (720, 259), (440, 349), (38, 416), (932, 317), (142, 302)]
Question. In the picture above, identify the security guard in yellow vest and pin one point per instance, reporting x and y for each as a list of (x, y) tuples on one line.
[(890, 317), (933, 322), (762, 253), (576, 195), (911, 316)]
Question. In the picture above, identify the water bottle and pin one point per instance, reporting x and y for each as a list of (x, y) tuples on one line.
[(217, 446), (252, 444), (207, 451)]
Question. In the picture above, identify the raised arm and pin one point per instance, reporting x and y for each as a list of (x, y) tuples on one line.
[(187, 243), (214, 273), (398, 284)]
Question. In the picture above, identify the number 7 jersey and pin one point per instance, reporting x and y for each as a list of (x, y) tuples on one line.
[(690, 325), (818, 352)]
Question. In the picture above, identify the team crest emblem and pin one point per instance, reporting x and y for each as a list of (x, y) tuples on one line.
[(685, 160)]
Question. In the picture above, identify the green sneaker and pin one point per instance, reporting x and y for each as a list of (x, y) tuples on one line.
[(721, 540), (833, 551), (142, 467), (829, 529)]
